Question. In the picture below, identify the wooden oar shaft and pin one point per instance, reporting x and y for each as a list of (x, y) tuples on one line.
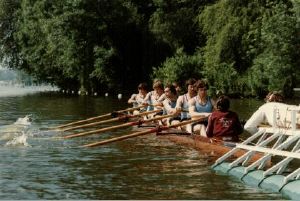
[(97, 117), (110, 120), (141, 133), (117, 126), (83, 121)]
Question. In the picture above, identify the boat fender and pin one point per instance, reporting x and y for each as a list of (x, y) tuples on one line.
[(263, 180), (245, 174), (253, 177), (280, 189)]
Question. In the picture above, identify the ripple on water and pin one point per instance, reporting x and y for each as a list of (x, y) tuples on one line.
[(137, 168)]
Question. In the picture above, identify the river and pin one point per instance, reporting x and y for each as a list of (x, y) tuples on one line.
[(35, 164)]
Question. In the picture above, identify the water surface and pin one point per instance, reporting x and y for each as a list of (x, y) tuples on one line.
[(41, 166)]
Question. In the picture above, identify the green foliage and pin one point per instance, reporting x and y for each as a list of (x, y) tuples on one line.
[(254, 42), (246, 47), (173, 22), (9, 50), (276, 63), (180, 68), (103, 72), (229, 45)]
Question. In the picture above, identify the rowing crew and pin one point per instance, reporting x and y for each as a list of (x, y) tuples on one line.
[(220, 123)]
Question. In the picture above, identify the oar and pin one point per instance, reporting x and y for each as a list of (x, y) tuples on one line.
[(125, 117), (154, 130), (97, 117), (118, 126)]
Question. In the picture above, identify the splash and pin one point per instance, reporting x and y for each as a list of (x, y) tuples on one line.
[(16, 132), (25, 121), (18, 141)]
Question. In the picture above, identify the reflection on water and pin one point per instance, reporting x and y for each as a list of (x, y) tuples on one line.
[(137, 168)]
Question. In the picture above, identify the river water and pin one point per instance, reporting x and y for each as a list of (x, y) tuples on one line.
[(35, 164)]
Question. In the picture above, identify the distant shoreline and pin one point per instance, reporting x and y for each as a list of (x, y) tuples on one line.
[(10, 90)]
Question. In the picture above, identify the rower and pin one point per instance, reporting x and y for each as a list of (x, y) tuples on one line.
[(199, 106), (138, 99), (224, 124), (155, 98), (169, 103), (177, 87), (265, 114), (182, 104)]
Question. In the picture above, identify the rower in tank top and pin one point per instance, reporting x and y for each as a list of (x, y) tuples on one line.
[(138, 99), (169, 103), (200, 106), (155, 98), (182, 104)]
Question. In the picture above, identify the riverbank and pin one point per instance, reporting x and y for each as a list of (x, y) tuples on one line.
[(19, 90)]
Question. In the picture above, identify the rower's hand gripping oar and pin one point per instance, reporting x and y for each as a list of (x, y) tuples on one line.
[(135, 123), (122, 118), (112, 114), (154, 130)]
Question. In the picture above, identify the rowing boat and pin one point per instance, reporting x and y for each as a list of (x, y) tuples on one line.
[(249, 160), (203, 144), (240, 159), (211, 147)]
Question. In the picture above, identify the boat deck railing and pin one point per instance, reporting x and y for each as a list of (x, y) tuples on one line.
[(269, 142)]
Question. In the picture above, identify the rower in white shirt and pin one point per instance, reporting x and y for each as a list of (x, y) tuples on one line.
[(265, 114), (182, 104), (155, 98), (138, 99)]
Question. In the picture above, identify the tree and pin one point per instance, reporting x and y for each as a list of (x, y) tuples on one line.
[(9, 50), (277, 62), (173, 22), (254, 42), (179, 68)]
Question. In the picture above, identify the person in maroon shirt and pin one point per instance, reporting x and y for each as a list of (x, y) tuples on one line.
[(224, 124)]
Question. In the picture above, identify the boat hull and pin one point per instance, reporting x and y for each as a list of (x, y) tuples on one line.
[(205, 145)]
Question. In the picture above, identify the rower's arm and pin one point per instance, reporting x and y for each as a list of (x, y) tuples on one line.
[(254, 121), (161, 98), (147, 99), (179, 104), (132, 99), (168, 107)]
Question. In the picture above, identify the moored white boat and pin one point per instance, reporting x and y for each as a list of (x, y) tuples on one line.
[(279, 145)]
